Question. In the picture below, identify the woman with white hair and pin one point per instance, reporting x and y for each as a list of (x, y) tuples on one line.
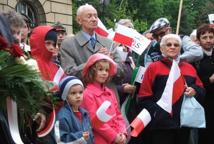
[(164, 126)]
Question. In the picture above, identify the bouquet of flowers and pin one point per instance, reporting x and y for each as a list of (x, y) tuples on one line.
[(19, 80)]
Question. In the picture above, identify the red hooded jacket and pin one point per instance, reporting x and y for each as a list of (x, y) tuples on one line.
[(39, 52)]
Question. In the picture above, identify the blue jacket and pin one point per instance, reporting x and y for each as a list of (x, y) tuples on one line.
[(70, 127)]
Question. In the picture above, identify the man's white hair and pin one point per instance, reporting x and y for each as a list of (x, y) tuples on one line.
[(83, 7)]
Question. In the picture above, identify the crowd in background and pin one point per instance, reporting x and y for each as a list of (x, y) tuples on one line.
[(88, 71)]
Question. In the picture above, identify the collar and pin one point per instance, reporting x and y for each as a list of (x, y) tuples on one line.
[(208, 53), (168, 62), (87, 36), (170, 59), (98, 89), (83, 38), (81, 110)]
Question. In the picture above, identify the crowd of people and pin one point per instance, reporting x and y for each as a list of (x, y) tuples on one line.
[(86, 72)]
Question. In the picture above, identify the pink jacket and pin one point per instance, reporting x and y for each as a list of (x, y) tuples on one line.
[(94, 96)]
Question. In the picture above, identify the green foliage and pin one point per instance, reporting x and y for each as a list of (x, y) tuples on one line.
[(144, 12), (22, 84)]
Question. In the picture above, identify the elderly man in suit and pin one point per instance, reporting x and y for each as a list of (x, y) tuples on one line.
[(76, 50)]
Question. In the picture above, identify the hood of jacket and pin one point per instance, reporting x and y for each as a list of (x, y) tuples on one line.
[(47, 67), (37, 43)]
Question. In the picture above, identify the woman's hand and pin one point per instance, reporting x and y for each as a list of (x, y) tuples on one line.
[(85, 135), (189, 91), (120, 139), (211, 78), (128, 88)]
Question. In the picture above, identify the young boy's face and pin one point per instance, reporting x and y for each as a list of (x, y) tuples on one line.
[(75, 96), (51, 47)]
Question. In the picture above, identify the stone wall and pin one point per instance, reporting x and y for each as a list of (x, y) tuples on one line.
[(49, 11)]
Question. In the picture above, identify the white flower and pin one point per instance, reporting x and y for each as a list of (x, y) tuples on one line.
[(20, 60), (32, 64)]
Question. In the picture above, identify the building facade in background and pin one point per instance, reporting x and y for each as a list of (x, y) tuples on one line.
[(42, 12)]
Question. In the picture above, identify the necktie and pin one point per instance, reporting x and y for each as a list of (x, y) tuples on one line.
[(93, 41)]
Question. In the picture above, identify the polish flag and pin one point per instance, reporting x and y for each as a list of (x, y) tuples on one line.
[(101, 29), (123, 35), (131, 38), (101, 116), (60, 74), (140, 122), (174, 88)]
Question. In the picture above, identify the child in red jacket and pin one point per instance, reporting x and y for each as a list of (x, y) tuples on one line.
[(97, 72)]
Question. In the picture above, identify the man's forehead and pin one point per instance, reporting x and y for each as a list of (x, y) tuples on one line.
[(207, 33)]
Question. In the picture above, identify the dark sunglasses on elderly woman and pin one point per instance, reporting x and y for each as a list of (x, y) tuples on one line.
[(172, 44)]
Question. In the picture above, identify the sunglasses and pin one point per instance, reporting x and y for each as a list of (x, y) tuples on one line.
[(172, 44)]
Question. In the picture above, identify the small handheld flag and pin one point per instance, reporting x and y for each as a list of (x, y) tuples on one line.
[(140, 122)]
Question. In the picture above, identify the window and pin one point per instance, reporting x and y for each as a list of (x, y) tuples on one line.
[(25, 8)]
